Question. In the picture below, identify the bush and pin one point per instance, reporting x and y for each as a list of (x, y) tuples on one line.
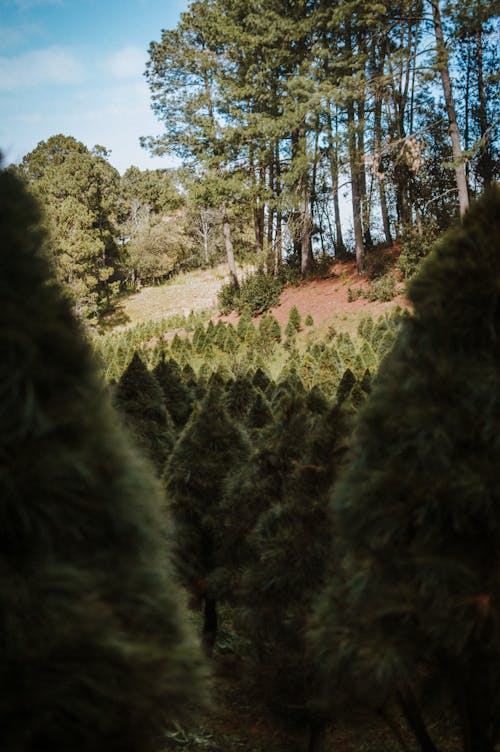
[(354, 293), (383, 289), (258, 292), (378, 263), (415, 247), (227, 298)]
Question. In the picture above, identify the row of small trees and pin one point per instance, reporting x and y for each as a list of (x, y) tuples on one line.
[(389, 598), (247, 465), (233, 350)]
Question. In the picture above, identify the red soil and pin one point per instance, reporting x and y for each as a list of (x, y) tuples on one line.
[(327, 298)]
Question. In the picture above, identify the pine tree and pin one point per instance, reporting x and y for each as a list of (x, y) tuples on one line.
[(417, 578), (260, 379), (208, 449), (259, 415), (294, 318), (177, 395), (258, 481), (239, 397), (289, 547), (139, 398), (96, 653)]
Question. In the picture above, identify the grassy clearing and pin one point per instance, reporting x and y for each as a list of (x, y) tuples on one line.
[(193, 291)]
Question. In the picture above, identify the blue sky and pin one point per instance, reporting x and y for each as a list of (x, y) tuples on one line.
[(75, 67)]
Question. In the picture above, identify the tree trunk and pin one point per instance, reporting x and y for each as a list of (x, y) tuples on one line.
[(377, 148), (354, 160), (334, 175), (485, 160), (306, 225), (279, 213), (317, 736), (413, 716), (356, 196), (360, 147), (463, 194), (209, 633), (229, 248)]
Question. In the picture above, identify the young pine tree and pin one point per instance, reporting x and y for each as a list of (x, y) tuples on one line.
[(139, 398), (177, 394), (95, 651), (289, 546), (210, 445)]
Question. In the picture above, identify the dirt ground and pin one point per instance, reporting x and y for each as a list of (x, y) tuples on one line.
[(327, 299)]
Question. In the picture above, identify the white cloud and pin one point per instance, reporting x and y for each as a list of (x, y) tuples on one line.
[(128, 62), (55, 65)]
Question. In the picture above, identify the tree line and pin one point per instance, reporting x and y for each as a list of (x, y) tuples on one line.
[(110, 233), (287, 107)]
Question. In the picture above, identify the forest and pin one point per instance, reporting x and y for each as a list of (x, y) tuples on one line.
[(306, 131), (226, 532)]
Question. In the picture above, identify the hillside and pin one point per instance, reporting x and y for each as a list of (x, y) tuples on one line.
[(327, 299)]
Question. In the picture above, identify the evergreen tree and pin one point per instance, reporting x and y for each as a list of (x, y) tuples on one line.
[(294, 319), (239, 397), (289, 547), (178, 398), (79, 191), (206, 452), (96, 654), (260, 379), (259, 415), (139, 397), (417, 578)]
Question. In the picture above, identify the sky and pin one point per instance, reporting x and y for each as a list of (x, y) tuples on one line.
[(76, 67)]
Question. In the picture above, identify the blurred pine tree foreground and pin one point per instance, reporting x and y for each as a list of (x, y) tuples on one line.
[(338, 519)]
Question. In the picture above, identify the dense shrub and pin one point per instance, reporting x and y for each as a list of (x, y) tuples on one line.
[(383, 289), (258, 292), (415, 246)]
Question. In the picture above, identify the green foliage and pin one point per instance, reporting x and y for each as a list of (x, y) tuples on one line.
[(139, 398), (418, 505), (415, 246), (294, 318), (79, 191), (93, 631), (378, 263), (288, 548), (177, 395), (257, 293), (228, 298), (244, 324), (157, 251), (208, 448), (309, 321), (354, 293), (383, 289)]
